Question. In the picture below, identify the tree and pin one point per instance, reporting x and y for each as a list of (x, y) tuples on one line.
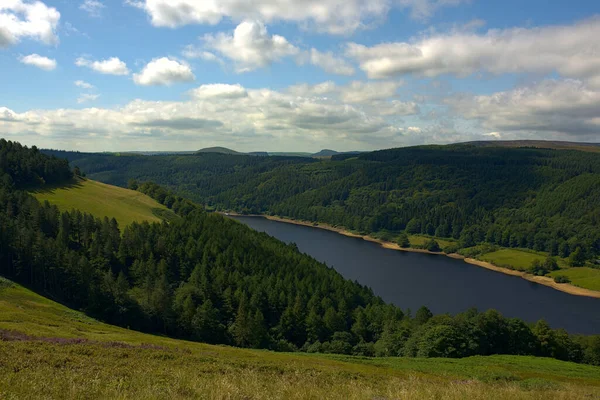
[(432, 245), (423, 315), (403, 240), (577, 258)]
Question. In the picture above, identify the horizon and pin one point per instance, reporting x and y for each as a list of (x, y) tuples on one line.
[(121, 75)]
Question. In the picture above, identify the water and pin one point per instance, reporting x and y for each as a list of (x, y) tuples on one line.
[(444, 285)]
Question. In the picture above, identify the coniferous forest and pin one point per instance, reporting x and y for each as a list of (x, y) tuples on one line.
[(540, 199), (207, 278)]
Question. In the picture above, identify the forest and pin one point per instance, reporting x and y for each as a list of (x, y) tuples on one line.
[(207, 278), (540, 199)]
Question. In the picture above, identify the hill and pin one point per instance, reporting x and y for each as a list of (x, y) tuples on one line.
[(50, 351), (101, 200), (540, 144), (220, 150)]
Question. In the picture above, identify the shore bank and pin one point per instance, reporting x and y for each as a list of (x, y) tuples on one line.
[(542, 280)]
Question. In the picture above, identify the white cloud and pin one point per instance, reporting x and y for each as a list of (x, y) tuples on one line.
[(219, 90), (84, 85), (215, 115), (251, 46), (164, 71), (571, 50), (363, 92), (192, 52), (111, 66), (330, 63), (92, 7), (424, 9), (333, 16), (85, 97), (27, 19), (551, 109), (41, 62)]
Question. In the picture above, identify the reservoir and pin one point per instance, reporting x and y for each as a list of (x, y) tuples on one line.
[(444, 285)]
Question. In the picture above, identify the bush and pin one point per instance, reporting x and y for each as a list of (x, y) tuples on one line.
[(432, 245), (562, 279)]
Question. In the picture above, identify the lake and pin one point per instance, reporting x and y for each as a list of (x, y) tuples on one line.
[(443, 284)]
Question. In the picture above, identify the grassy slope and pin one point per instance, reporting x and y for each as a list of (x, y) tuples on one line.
[(114, 362), (104, 200), (581, 276)]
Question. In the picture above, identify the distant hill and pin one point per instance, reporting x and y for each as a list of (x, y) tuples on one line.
[(326, 153), (540, 144), (221, 150)]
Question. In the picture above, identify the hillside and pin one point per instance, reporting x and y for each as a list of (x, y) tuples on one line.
[(99, 199), (220, 150), (540, 144), (86, 358)]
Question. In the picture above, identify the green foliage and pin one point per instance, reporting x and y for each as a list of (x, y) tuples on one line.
[(561, 279), (432, 245), (539, 199), (206, 277), (403, 240)]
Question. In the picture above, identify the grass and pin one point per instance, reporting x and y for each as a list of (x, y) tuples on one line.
[(584, 277), (513, 258), (50, 351), (420, 241), (103, 200)]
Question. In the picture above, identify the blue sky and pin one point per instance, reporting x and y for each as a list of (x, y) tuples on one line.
[(283, 75)]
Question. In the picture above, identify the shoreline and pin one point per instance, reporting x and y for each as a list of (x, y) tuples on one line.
[(542, 280)]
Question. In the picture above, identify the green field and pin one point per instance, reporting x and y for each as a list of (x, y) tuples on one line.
[(50, 351), (99, 200), (584, 277), (419, 241), (516, 259)]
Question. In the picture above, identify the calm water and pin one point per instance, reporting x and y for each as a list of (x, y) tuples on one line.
[(445, 285)]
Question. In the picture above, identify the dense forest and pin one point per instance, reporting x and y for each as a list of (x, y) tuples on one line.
[(207, 278), (541, 199)]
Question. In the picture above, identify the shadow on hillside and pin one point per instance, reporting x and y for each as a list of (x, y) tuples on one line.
[(75, 183)]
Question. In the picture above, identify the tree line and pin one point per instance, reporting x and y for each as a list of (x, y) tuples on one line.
[(539, 199), (207, 278)]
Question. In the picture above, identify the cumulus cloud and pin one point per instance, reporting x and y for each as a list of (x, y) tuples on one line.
[(27, 19), (216, 114), (92, 7), (192, 52), (219, 90), (330, 63), (424, 9), (331, 16), (363, 92), (164, 71), (85, 97), (111, 66), (83, 85), (561, 108), (251, 46), (571, 50), (41, 62)]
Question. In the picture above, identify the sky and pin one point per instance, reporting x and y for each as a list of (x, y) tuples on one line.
[(296, 75)]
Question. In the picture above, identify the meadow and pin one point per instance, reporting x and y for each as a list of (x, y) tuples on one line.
[(584, 277), (88, 359), (99, 199)]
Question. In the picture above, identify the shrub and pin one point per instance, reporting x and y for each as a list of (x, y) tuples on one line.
[(562, 279)]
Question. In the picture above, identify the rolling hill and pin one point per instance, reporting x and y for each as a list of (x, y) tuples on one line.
[(220, 150), (50, 351), (540, 144), (99, 199)]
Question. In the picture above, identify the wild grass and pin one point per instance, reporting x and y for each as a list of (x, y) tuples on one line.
[(513, 258), (50, 351), (420, 241), (99, 199), (584, 277)]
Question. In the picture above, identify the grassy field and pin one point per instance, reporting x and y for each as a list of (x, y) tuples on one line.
[(584, 277), (99, 199), (50, 351), (517, 259), (416, 240)]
